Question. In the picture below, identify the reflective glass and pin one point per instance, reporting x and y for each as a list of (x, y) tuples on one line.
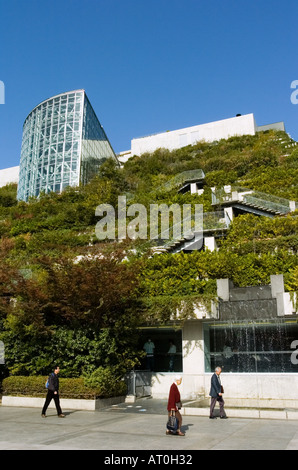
[(59, 127), (250, 346)]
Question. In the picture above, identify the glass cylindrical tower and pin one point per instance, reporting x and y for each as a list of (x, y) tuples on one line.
[(63, 145)]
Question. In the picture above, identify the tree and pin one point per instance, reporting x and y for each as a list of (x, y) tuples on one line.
[(95, 295)]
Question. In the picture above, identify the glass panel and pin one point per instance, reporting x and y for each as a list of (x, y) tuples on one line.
[(167, 355), (45, 133), (250, 347)]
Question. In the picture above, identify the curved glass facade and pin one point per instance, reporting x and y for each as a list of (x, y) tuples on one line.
[(63, 145)]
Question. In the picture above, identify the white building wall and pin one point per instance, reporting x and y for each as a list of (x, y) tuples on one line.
[(240, 125), (244, 389), (9, 175), (193, 347)]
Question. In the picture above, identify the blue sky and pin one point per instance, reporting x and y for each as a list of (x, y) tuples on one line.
[(148, 66)]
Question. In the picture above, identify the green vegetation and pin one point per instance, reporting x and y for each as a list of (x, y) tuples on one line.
[(80, 388), (79, 301)]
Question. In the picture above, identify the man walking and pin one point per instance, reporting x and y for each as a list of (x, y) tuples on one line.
[(216, 393), (53, 392)]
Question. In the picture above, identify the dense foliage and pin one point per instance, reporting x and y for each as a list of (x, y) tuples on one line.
[(66, 297), (107, 385)]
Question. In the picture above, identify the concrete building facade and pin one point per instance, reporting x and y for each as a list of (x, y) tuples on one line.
[(9, 175), (252, 333), (209, 132)]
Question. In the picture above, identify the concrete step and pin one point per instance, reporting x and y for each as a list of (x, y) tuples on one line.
[(257, 413), (201, 407)]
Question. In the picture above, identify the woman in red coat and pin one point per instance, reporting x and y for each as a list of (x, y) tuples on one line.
[(173, 403)]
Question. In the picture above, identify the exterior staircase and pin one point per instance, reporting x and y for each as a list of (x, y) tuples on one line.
[(215, 224), (182, 181), (228, 202), (255, 202)]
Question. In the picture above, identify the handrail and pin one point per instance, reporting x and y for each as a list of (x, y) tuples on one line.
[(181, 178), (212, 221), (253, 198)]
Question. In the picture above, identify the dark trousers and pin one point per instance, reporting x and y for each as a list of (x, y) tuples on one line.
[(150, 362), (49, 397), (221, 405)]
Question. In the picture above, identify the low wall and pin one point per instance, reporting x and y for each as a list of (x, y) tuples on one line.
[(263, 390), (66, 403)]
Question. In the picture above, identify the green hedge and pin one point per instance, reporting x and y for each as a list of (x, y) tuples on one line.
[(68, 388)]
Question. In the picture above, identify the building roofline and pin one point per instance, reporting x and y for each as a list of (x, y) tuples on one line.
[(55, 96), (196, 125)]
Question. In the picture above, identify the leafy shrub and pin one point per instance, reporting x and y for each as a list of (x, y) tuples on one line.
[(103, 385), (8, 195), (106, 381), (35, 387)]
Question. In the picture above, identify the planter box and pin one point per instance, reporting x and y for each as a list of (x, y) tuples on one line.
[(66, 403)]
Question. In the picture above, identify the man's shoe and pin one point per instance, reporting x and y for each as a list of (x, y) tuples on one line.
[(43, 416), (212, 417), (223, 417), (61, 415)]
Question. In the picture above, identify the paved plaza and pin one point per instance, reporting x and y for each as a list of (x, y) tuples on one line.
[(139, 426)]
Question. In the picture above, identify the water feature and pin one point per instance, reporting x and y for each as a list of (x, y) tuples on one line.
[(251, 346)]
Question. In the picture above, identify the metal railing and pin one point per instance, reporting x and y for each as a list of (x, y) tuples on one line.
[(212, 222), (181, 178), (253, 198)]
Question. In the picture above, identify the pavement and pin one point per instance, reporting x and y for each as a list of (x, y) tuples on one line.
[(137, 427)]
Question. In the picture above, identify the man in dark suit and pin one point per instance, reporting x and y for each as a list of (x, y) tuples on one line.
[(216, 392), (53, 392)]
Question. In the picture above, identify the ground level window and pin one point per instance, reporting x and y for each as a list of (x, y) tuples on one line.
[(251, 346), (163, 347)]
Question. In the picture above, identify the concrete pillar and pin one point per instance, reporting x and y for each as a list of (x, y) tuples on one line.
[(193, 347), (292, 206), (223, 289), (278, 290), (277, 284), (210, 243), (193, 188), (229, 215)]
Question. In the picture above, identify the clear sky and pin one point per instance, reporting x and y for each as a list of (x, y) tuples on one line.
[(148, 66)]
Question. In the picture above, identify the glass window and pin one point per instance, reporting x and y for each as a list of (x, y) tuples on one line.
[(167, 351), (56, 128), (68, 146), (250, 347)]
